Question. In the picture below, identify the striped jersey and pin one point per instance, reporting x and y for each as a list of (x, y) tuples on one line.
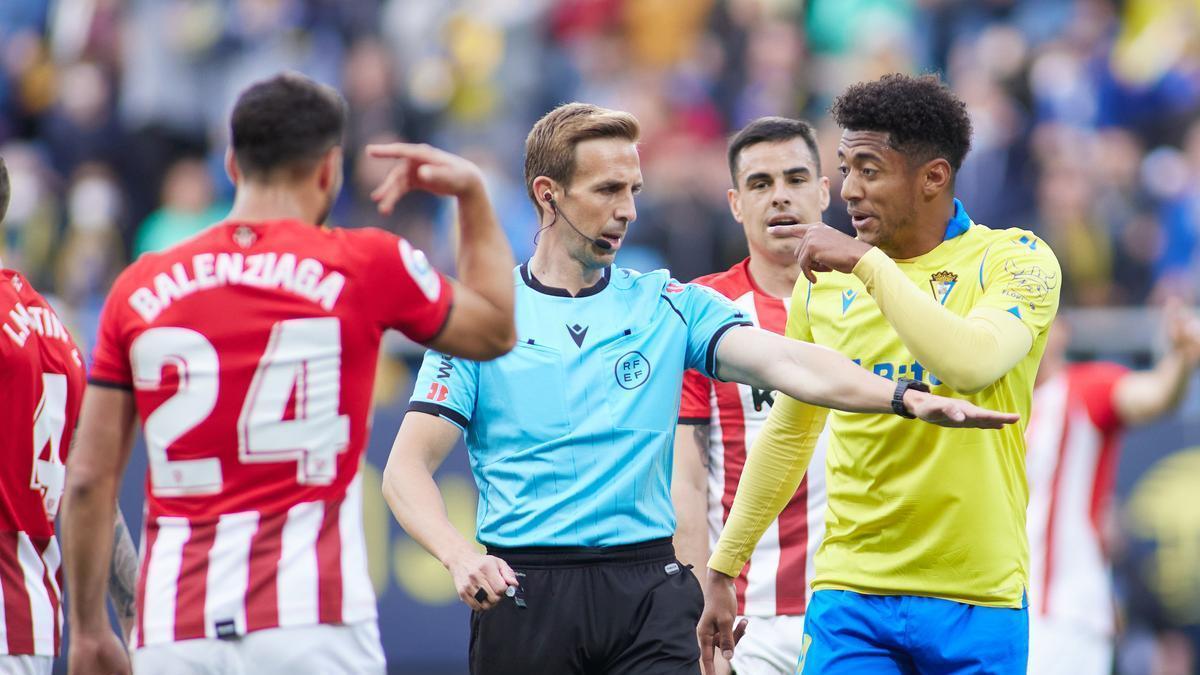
[(777, 578), (1074, 439), (251, 351), (41, 386)]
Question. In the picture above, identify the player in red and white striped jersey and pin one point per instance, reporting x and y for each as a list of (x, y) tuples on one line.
[(249, 353), (41, 387), (777, 179), (1079, 413)]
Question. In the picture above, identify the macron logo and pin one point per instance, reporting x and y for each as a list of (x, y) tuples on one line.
[(578, 334)]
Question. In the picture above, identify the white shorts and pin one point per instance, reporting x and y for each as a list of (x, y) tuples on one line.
[(1061, 648), (296, 650), (26, 665), (771, 645)]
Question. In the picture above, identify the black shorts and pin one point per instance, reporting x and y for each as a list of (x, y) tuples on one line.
[(621, 610)]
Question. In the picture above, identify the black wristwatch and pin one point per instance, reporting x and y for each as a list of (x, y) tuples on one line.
[(902, 385)]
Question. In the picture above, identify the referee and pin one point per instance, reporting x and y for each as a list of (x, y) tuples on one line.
[(570, 435)]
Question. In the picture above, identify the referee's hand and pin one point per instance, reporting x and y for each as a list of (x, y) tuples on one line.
[(953, 412), (716, 629), (481, 580)]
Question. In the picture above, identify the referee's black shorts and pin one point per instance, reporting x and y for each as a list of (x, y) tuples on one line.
[(620, 610)]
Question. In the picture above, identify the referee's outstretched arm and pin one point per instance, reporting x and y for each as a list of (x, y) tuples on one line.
[(821, 376), (421, 446)]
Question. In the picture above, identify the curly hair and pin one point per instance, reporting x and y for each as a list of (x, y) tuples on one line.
[(921, 116)]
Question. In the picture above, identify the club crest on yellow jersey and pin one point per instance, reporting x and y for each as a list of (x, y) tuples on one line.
[(942, 283)]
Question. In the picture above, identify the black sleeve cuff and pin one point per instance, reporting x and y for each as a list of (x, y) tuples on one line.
[(710, 358), (694, 421), (439, 411), (109, 384)]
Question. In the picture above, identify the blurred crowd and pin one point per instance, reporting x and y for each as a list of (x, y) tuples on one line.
[(1086, 116), (113, 114)]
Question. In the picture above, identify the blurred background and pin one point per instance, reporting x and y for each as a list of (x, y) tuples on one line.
[(1087, 131)]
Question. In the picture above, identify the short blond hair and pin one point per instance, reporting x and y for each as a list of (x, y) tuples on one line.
[(550, 145)]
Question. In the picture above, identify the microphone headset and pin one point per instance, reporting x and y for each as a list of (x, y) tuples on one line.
[(599, 242)]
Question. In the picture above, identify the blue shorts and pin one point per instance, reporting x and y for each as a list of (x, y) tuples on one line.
[(847, 632)]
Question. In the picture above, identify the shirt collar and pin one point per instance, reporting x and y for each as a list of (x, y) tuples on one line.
[(532, 282), (959, 223)]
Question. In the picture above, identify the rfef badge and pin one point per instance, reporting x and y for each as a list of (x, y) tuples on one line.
[(632, 370)]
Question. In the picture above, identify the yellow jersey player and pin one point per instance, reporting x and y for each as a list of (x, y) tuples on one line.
[(924, 565)]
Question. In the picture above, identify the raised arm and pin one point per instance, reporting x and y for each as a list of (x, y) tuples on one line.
[(821, 376), (421, 446), (94, 469), (480, 325), (967, 353), (1142, 397)]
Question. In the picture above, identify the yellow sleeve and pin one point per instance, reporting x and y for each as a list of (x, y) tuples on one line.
[(773, 471), (972, 352), (776, 463)]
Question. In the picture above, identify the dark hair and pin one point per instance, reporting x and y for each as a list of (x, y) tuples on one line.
[(550, 145), (286, 122), (921, 116), (771, 130), (5, 189)]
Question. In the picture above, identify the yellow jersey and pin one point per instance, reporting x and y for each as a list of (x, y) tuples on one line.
[(918, 509)]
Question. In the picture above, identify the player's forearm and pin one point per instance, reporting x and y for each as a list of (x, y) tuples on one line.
[(1144, 396), (689, 495), (417, 504), (967, 353), (805, 371), (89, 505), (773, 471), (122, 578), (485, 259)]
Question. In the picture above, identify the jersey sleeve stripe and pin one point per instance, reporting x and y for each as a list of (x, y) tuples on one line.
[(694, 420), (440, 411), (710, 358)]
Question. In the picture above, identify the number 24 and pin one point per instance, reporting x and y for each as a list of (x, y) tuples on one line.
[(302, 355)]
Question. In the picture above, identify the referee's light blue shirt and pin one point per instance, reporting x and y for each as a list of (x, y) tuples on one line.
[(570, 435)]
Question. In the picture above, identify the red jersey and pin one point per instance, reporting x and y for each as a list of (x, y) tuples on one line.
[(1073, 438), (776, 579), (251, 350), (41, 380)]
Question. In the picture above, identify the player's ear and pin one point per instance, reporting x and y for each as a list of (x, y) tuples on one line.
[(936, 176), (735, 204), (330, 168), (231, 167), (823, 187)]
